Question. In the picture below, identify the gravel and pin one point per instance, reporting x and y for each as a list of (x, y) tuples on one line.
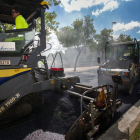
[(44, 136), (52, 122)]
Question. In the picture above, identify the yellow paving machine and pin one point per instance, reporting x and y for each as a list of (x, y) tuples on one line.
[(22, 79)]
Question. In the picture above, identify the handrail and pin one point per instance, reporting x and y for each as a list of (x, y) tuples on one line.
[(52, 56), (47, 49), (93, 89), (60, 57)]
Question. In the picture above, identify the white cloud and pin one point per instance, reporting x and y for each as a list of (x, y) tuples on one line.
[(110, 6), (126, 0), (138, 32), (125, 27), (96, 13), (77, 5), (115, 37)]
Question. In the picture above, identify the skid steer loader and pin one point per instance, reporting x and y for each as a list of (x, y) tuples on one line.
[(22, 77)]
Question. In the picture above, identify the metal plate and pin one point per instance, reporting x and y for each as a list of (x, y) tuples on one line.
[(5, 62)]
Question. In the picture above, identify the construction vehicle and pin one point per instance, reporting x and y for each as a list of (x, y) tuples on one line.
[(19, 70), (24, 74), (120, 59)]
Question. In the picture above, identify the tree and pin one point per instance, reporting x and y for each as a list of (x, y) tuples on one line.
[(80, 34), (50, 22), (124, 38), (6, 26), (102, 38)]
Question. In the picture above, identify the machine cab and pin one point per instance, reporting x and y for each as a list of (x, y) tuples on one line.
[(13, 44)]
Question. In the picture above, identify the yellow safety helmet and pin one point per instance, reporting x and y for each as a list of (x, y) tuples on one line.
[(45, 4)]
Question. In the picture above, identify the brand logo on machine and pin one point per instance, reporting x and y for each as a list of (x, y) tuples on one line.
[(1, 47), (7, 46), (5, 62)]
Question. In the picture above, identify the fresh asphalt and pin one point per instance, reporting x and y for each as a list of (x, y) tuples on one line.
[(26, 129)]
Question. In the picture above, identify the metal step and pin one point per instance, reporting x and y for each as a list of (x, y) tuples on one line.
[(81, 89), (83, 85)]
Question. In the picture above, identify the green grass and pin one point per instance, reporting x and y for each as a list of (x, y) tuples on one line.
[(136, 134)]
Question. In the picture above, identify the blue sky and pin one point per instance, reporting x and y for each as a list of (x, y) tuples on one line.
[(126, 14)]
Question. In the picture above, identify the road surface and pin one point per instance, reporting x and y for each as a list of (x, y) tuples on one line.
[(42, 126)]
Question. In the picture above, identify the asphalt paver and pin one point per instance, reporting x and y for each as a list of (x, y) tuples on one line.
[(59, 112)]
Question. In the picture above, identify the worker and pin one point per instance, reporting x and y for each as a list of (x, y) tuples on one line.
[(20, 22)]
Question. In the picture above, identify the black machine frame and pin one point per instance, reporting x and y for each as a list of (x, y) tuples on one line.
[(19, 88), (26, 83), (31, 62)]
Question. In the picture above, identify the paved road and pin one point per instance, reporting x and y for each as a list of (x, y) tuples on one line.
[(81, 69), (88, 75), (29, 129)]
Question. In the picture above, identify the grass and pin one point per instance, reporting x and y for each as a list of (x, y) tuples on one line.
[(136, 134)]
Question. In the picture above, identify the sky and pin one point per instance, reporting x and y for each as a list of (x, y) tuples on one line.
[(124, 12)]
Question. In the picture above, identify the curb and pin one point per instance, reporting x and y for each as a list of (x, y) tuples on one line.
[(125, 126)]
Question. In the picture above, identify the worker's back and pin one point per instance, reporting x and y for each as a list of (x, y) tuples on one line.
[(20, 22)]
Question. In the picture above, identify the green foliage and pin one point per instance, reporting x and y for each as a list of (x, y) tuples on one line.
[(50, 22), (79, 34), (66, 36), (102, 38), (7, 27), (124, 38), (53, 2), (136, 134), (89, 31)]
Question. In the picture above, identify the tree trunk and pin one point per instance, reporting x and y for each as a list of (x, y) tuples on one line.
[(79, 52), (102, 53)]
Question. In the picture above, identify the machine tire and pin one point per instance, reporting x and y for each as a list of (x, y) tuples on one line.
[(16, 113)]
